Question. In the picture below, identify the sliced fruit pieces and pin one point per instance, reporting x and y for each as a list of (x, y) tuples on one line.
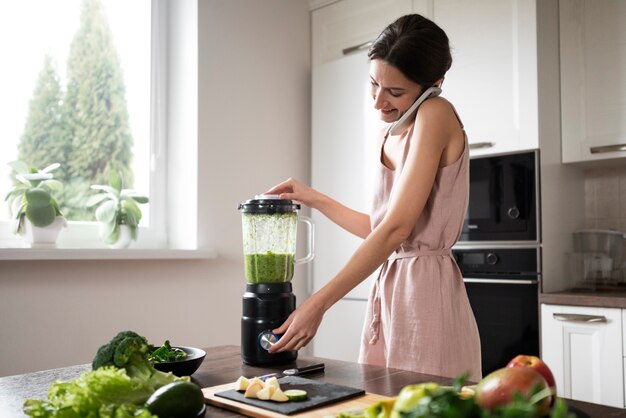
[(266, 393), (279, 396), (272, 381), (296, 395), (252, 389), (242, 384)]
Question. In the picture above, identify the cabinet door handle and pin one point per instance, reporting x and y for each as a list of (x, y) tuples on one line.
[(570, 317), (500, 281), (608, 148), (478, 145), (358, 47)]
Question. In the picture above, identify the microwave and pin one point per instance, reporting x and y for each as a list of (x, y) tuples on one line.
[(503, 202)]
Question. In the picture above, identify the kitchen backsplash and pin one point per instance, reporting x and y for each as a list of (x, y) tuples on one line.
[(605, 204), (605, 198)]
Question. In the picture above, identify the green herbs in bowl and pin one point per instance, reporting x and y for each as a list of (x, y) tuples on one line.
[(180, 360), (166, 353)]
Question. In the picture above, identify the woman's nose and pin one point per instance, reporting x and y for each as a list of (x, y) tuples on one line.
[(379, 101)]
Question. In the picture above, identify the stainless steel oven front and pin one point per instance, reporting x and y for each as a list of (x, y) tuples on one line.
[(502, 285)]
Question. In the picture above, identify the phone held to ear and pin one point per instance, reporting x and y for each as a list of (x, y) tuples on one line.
[(398, 126)]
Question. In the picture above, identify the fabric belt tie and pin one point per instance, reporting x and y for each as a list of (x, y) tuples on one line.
[(374, 327), (419, 253)]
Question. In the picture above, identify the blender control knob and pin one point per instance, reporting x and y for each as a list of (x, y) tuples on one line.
[(267, 339)]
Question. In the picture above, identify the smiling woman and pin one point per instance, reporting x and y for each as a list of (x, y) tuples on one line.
[(81, 91)]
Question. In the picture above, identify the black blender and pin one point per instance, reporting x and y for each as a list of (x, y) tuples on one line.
[(269, 245)]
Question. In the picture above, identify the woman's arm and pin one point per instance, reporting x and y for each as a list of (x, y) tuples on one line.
[(351, 220), (433, 131)]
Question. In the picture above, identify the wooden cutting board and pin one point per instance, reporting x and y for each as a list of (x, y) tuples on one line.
[(326, 410)]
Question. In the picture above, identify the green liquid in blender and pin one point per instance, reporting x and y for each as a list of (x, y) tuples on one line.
[(269, 268)]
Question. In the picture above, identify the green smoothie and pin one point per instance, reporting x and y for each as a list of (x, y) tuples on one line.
[(269, 268)]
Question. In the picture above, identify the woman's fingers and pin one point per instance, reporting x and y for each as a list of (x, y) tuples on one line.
[(285, 186), (300, 327), (290, 342)]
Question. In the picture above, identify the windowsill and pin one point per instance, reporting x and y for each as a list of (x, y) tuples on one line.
[(105, 254)]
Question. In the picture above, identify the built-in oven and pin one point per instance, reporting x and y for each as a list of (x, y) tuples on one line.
[(502, 286), (504, 199)]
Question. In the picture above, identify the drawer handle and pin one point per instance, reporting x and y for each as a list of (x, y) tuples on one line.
[(608, 148), (478, 145), (569, 317), (500, 281), (358, 47)]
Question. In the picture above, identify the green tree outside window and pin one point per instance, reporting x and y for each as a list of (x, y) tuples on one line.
[(86, 128)]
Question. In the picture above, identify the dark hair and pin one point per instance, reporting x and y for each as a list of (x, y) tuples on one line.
[(416, 46)]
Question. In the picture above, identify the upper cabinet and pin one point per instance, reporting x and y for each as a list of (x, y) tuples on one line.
[(493, 79), (350, 25), (593, 80)]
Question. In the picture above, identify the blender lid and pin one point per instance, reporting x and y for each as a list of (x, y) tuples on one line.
[(268, 204)]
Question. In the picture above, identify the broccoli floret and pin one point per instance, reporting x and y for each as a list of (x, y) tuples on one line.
[(129, 350), (106, 354)]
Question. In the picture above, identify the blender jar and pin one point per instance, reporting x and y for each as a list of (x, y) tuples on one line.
[(269, 227)]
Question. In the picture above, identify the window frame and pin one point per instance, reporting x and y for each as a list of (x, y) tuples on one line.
[(84, 234)]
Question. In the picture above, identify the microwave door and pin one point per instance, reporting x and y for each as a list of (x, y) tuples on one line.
[(502, 199)]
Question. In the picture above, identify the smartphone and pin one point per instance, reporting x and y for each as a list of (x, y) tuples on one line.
[(399, 125)]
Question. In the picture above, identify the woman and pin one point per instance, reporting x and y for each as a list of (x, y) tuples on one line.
[(418, 315)]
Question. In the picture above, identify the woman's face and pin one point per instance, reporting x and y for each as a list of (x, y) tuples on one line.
[(392, 92)]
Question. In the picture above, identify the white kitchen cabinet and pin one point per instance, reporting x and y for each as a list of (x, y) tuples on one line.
[(339, 335), (593, 80), (583, 347), (493, 78), (342, 158), (350, 23)]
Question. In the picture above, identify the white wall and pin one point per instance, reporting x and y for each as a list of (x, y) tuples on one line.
[(254, 131)]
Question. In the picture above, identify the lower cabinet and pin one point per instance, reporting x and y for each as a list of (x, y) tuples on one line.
[(339, 336), (583, 347)]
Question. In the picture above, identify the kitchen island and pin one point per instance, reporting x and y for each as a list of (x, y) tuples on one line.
[(223, 365)]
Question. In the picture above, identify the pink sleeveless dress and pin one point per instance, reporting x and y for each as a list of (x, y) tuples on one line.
[(418, 316)]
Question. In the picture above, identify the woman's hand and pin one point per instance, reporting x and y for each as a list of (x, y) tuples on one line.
[(294, 190), (301, 326)]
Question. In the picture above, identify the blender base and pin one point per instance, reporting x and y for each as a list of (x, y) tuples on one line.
[(265, 307)]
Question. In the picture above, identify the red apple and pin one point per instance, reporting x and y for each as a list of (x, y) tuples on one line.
[(498, 388), (536, 363)]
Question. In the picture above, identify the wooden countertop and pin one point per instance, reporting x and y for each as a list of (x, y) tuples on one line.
[(597, 299), (223, 365)]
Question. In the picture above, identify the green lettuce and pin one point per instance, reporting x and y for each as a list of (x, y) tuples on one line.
[(104, 392)]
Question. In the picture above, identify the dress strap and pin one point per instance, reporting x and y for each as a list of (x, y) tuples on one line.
[(457, 115)]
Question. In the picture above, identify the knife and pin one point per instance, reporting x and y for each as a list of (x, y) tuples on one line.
[(314, 368)]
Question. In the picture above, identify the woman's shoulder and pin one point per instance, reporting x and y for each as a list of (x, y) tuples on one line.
[(437, 106), (439, 113)]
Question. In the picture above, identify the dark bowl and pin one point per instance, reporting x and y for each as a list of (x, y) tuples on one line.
[(186, 367)]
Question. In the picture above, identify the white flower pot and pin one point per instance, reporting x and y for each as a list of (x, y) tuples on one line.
[(43, 236), (124, 239)]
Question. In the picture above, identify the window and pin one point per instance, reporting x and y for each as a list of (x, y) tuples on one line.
[(80, 84)]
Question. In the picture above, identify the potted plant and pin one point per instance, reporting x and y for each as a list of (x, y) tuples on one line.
[(35, 211), (118, 211)]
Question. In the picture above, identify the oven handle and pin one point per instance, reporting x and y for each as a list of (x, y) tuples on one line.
[(565, 317), (500, 281)]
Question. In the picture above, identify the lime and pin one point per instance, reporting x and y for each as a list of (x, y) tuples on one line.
[(176, 400), (296, 394)]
